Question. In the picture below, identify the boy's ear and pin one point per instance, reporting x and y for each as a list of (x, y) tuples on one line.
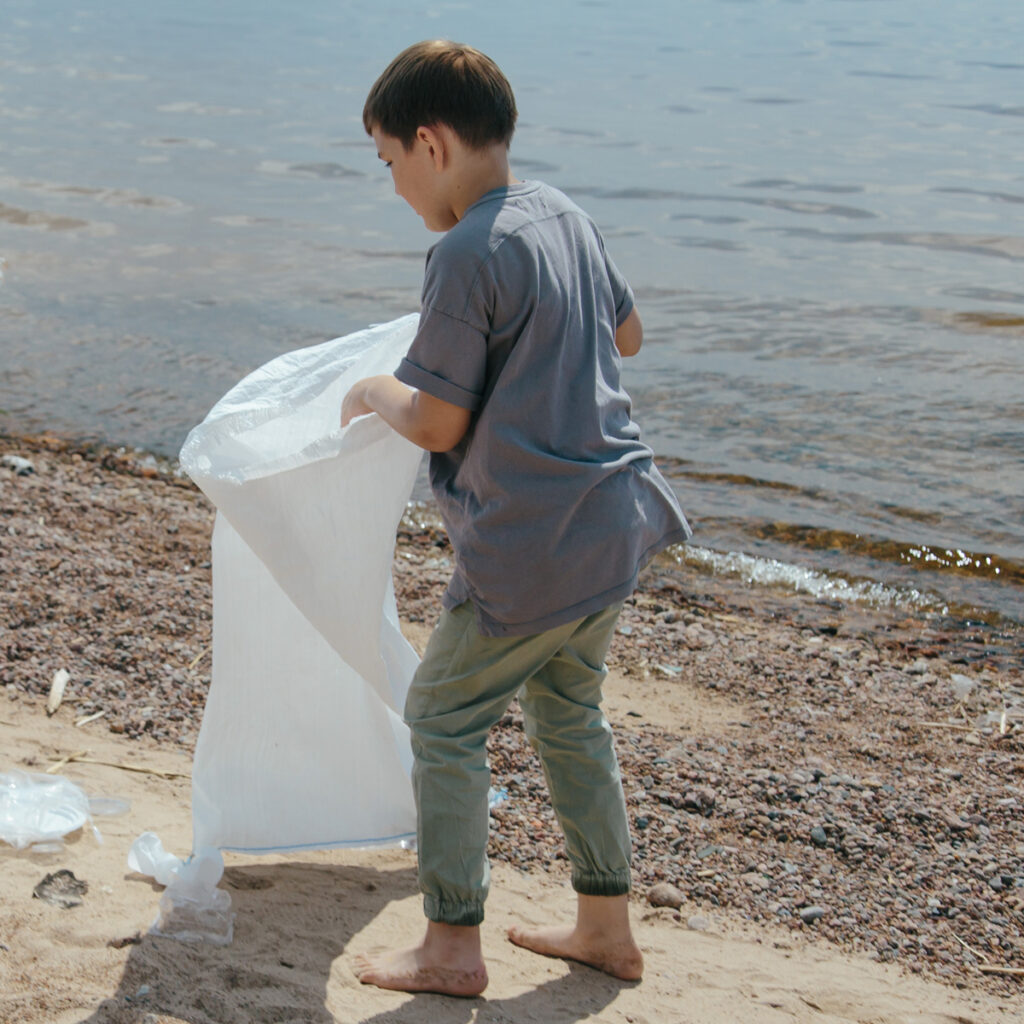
[(436, 140)]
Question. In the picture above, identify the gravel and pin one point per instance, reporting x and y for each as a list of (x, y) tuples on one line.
[(864, 787)]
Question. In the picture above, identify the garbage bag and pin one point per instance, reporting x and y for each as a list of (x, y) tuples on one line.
[(302, 742)]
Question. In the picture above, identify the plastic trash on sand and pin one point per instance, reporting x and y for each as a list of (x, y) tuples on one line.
[(302, 744), (192, 908), (38, 810)]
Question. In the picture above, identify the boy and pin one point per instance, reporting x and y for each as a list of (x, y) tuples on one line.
[(551, 502)]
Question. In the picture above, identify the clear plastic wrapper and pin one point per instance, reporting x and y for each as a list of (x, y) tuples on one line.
[(38, 810)]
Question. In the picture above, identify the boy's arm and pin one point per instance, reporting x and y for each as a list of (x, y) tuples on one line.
[(629, 335), (423, 419)]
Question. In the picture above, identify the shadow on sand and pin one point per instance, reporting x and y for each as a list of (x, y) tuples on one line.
[(297, 921)]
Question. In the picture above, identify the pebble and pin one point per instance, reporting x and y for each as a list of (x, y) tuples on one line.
[(665, 895), (811, 914), (962, 685), (818, 836), (20, 466)]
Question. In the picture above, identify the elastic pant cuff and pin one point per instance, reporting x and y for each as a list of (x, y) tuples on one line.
[(617, 884), (467, 914)]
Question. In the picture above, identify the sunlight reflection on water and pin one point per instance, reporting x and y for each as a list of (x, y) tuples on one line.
[(816, 205)]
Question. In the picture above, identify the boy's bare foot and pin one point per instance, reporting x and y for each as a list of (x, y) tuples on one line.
[(448, 960), (601, 938)]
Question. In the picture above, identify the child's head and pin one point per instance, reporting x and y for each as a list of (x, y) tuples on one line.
[(439, 82)]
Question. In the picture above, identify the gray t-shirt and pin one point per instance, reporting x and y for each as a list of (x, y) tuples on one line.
[(551, 500)]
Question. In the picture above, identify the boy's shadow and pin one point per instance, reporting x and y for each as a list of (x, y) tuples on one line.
[(297, 920), (575, 997)]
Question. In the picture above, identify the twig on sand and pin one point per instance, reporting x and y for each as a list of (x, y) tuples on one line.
[(79, 758), (199, 657), (57, 765), (976, 953), (1017, 972), (90, 718)]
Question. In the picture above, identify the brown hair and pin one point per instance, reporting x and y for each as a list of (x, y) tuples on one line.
[(440, 82)]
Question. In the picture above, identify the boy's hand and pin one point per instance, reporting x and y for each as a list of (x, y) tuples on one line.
[(354, 403)]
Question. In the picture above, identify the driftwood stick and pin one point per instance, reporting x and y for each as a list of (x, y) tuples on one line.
[(198, 658), (90, 718), (162, 773), (80, 758), (977, 953), (57, 765)]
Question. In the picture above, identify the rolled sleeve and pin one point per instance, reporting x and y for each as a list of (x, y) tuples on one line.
[(447, 359), (423, 380)]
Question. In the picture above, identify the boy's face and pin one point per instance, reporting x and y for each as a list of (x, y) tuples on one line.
[(416, 177)]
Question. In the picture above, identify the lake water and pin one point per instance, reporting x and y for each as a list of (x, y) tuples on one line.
[(820, 206)]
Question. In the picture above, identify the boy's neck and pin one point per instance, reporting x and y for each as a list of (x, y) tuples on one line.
[(473, 173)]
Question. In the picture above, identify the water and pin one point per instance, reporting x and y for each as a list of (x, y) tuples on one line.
[(819, 204)]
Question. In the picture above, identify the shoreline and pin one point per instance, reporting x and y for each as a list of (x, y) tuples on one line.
[(726, 571), (805, 771)]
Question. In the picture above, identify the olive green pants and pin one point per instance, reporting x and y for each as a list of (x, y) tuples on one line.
[(462, 687)]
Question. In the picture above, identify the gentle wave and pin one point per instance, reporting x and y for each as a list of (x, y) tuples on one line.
[(40, 219), (841, 211), (1007, 247), (768, 572)]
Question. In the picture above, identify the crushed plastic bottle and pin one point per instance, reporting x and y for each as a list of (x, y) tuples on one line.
[(192, 908), (148, 857)]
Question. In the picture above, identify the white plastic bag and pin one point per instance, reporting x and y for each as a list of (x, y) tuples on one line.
[(302, 742)]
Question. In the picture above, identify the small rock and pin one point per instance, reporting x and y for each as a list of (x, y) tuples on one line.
[(819, 836), (21, 467), (664, 894), (700, 800), (709, 851), (955, 823), (962, 685), (698, 923), (811, 914)]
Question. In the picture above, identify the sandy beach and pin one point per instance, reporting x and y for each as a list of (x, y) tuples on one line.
[(826, 800)]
